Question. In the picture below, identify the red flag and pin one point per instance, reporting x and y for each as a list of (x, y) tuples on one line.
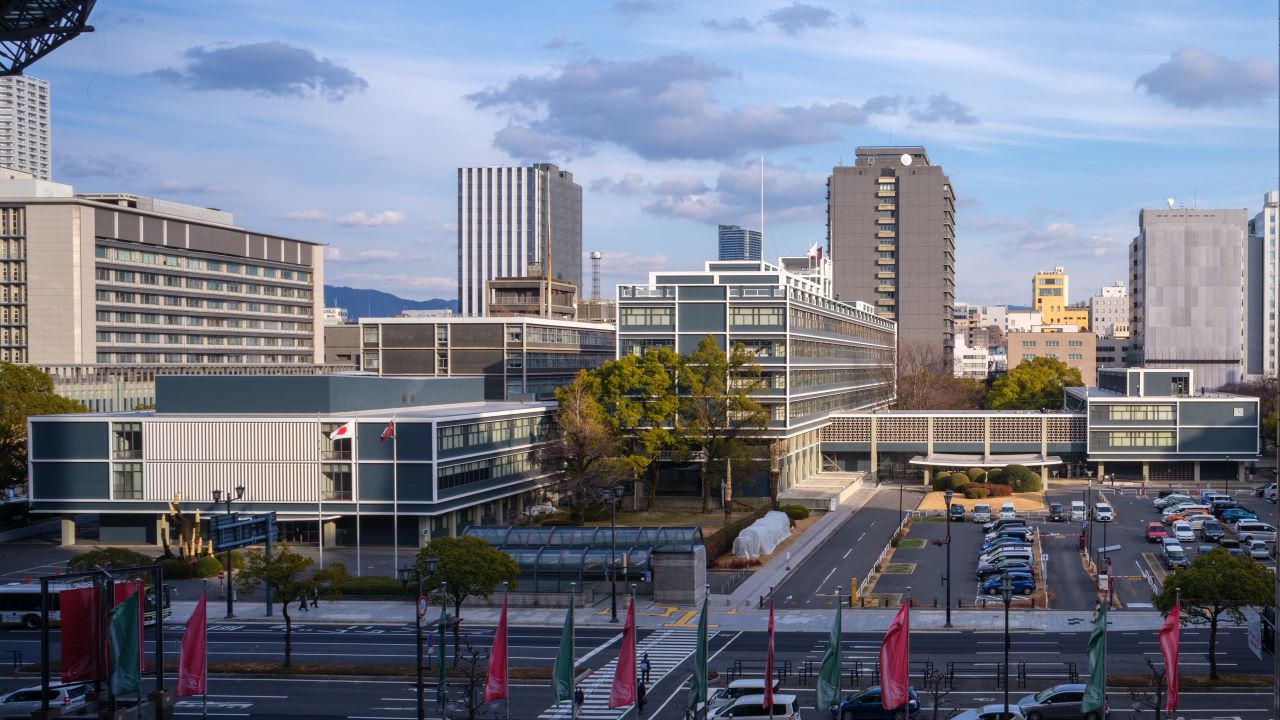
[(80, 636), (390, 432), (894, 652), (192, 659), (768, 663), (1169, 641), (495, 681), (623, 692)]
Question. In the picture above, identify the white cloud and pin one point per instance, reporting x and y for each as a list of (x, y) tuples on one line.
[(333, 254), (304, 215), (362, 218)]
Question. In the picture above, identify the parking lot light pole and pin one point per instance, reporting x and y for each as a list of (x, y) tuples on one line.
[(1006, 593), (612, 496), (217, 498), (948, 495)]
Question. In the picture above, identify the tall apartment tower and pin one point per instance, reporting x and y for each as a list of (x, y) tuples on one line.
[(740, 244), (891, 232), (1187, 286), (516, 222), (24, 125), (1261, 336)]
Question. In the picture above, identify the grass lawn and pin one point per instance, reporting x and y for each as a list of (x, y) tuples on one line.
[(899, 568), (912, 543)]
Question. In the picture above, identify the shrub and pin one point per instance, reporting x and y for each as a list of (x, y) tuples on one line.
[(109, 558), (208, 566), (997, 476), (175, 568), (795, 512), (997, 490), (977, 474), (976, 493), (959, 480), (738, 563), (721, 541), (595, 513), (375, 586), (941, 482)]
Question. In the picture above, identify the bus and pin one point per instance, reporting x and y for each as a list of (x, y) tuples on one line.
[(20, 604)]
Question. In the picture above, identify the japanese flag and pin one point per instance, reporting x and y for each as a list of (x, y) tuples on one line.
[(345, 432)]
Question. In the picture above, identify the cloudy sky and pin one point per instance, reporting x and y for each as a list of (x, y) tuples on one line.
[(345, 122)]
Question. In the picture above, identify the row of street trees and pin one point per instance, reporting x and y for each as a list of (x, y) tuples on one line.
[(618, 421)]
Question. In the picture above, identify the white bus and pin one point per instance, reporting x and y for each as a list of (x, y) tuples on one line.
[(20, 604)]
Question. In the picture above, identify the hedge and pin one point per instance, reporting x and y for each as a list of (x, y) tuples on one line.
[(998, 490), (795, 512), (208, 566), (977, 474), (977, 493), (958, 480), (721, 541), (110, 558), (940, 482), (997, 476), (375, 586), (1022, 478), (176, 568)]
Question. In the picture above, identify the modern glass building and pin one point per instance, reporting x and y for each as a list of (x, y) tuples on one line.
[(738, 243)]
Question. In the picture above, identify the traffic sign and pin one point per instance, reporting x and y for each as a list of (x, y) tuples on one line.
[(1084, 525), (422, 606)]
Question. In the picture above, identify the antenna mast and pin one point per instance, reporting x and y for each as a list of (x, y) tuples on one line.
[(762, 207), (596, 256)]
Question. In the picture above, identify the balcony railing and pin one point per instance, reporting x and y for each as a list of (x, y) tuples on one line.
[(335, 454)]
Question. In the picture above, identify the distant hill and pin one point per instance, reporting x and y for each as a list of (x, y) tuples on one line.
[(375, 303)]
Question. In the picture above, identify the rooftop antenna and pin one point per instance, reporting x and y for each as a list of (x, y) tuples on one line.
[(596, 256), (1169, 202), (762, 207)]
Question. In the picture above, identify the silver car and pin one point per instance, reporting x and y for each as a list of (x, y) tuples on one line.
[(1059, 701), (22, 703)]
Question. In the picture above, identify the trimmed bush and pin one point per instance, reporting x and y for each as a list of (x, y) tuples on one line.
[(976, 493), (208, 566), (940, 482), (795, 512), (1022, 478), (977, 474), (997, 490), (959, 480), (109, 558), (176, 568), (997, 476)]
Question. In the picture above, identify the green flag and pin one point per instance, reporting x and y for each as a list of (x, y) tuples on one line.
[(828, 690), (562, 674), (122, 633), (441, 693), (1095, 692), (698, 684)]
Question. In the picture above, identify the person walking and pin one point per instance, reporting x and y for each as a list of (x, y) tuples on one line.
[(579, 699), (644, 668), (640, 692)]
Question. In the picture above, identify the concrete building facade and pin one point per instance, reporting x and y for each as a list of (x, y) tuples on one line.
[(1109, 311), (516, 222), (1049, 296), (1077, 349), (102, 279), (25, 139), (1187, 283), (891, 234), (1262, 340), (737, 243)]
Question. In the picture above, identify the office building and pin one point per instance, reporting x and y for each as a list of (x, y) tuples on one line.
[(517, 357), (891, 233), (1264, 267), (120, 279), (342, 345), (971, 362), (24, 125), (527, 297), (818, 355), (740, 244), (1023, 321), (455, 459), (1049, 297), (335, 316), (1109, 311), (1111, 352), (1077, 349), (516, 222), (1187, 289)]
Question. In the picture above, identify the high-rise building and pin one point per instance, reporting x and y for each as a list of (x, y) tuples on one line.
[(1187, 288), (891, 231), (1109, 311), (1049, 296), (118, 279), (24, 125), (516, 222), (740, 243), (1261, 337)]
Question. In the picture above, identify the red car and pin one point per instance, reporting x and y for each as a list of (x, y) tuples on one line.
[(1156, 532)]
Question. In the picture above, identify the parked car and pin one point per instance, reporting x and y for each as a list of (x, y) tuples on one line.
[(1221, 505), (1211, 531), (736, 689), (992, 712), (957, 512), (1155, 532), (1235, 515), (1248, 530), (1208, 496), (1007, 541), (981, 513), (1258, 549), (1059, 701), (1181, 509), (866, 704), (22, 703), (986, 571), (1197, 521), (1021, 585), (1078, 511), (1174, 556), (1056, 513), (1102, 512), (1262, 491), (1270, 495), (1182, 531), (1229, 543), (1005, 552), (1002, 523), (1185, 515), (1007, 511), (1161, 503), (1021, 532), (785, 707)]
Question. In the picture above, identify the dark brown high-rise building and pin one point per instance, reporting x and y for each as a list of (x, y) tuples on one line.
[(892, 239)]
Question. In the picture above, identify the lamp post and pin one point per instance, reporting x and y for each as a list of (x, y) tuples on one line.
[(612, 496), (217, 498), (1006, 593), (421, 610), (948, 495)]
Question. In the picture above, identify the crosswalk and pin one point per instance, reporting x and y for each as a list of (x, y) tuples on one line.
[(667, 648)]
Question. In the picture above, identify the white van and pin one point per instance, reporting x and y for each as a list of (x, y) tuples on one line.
[(982, 513), (1248, 530), (785, 707), (1078, 511), (1007, 511), (738, 688)]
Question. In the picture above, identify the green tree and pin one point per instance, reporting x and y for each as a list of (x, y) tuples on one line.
[(1217, 584), (470, 567), (108, 558), (638, 395), (24, 391), (588, 450), (1034, 384), (291, 577), (719, 416)]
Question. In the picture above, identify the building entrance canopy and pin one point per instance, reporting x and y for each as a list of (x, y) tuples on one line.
[(985, 461)]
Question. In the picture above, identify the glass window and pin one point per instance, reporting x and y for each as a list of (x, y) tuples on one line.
[(127, 483), (646, 316), (336, 484), (749, 316)]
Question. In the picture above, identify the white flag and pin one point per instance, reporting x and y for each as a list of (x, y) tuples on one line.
[(345, 432)]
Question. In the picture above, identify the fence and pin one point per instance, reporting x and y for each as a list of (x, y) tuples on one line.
[(906, 521)]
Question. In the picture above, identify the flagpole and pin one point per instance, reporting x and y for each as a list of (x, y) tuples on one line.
[(506, 666), (573, 651), (395, 498), (635, 658), (204, 591)]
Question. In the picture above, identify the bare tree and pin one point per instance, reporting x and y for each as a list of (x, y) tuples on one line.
[(1150, 697), (926, 381)]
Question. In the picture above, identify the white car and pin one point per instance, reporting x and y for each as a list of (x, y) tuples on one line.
[(1183, 531), (1102, 512), (1258, 549), (981, 513), (1007, 511), (1166, 501), (22, 703), (992, 712)]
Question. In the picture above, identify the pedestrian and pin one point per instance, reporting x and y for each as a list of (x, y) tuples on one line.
[(579, 699), (302, 602), (640, 691), (315, 597), (644, 668)]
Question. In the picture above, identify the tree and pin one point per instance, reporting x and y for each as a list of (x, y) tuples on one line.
[(1035, 384), (107, 558), (639, 399), (290, 577), (926, 382), (1217, 584), (718, 414), (588, 449), (24, 391), (470, 567)]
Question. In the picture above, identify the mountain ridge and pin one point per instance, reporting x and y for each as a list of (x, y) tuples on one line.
[(362, 302)]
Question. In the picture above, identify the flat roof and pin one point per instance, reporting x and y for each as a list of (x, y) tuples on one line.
[(487, 320), (424, 412)]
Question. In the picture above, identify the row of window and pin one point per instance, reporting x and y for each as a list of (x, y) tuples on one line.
[(1140, 412), (565, 336), (195, 283), (193, 263), (1070, 356), (639, 346), (507, 467), (807, 320), (838, 401), (838, 351), (818, 377), (518, 430), (740, 317), (566, 361), (132, 318), (181, 339), (1135, 438), (108, 358), (629, 316), (117, 296)]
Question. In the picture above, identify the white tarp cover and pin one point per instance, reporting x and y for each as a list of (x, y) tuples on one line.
[(763, 535)]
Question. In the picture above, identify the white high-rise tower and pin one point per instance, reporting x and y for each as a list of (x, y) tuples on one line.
[(24, 125)]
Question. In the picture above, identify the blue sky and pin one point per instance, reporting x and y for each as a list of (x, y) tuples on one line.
[(344, 123)]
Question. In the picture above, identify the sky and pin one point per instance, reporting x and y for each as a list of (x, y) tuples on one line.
[(344, 123)]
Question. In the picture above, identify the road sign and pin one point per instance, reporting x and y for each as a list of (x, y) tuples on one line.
[(1254, 619), (234, 530), (1108, 549), (426, 532), (1084, 525), (422, 606)]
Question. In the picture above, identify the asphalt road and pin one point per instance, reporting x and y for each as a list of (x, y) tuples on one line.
[(849, 552)]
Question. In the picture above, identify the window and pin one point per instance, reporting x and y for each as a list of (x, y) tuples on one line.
[(1075, 356), (336, 483), (1051, 343), (646, 316), (1028, 343), (1140, 412), (1075, 343), (442, 361), (754, 316), (127, 481), (442, 335), (1136, 438)]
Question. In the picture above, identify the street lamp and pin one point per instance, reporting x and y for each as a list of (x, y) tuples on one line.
[(1006, 593), (432, 564), (612, 496), (217, 498), (948, 495)]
